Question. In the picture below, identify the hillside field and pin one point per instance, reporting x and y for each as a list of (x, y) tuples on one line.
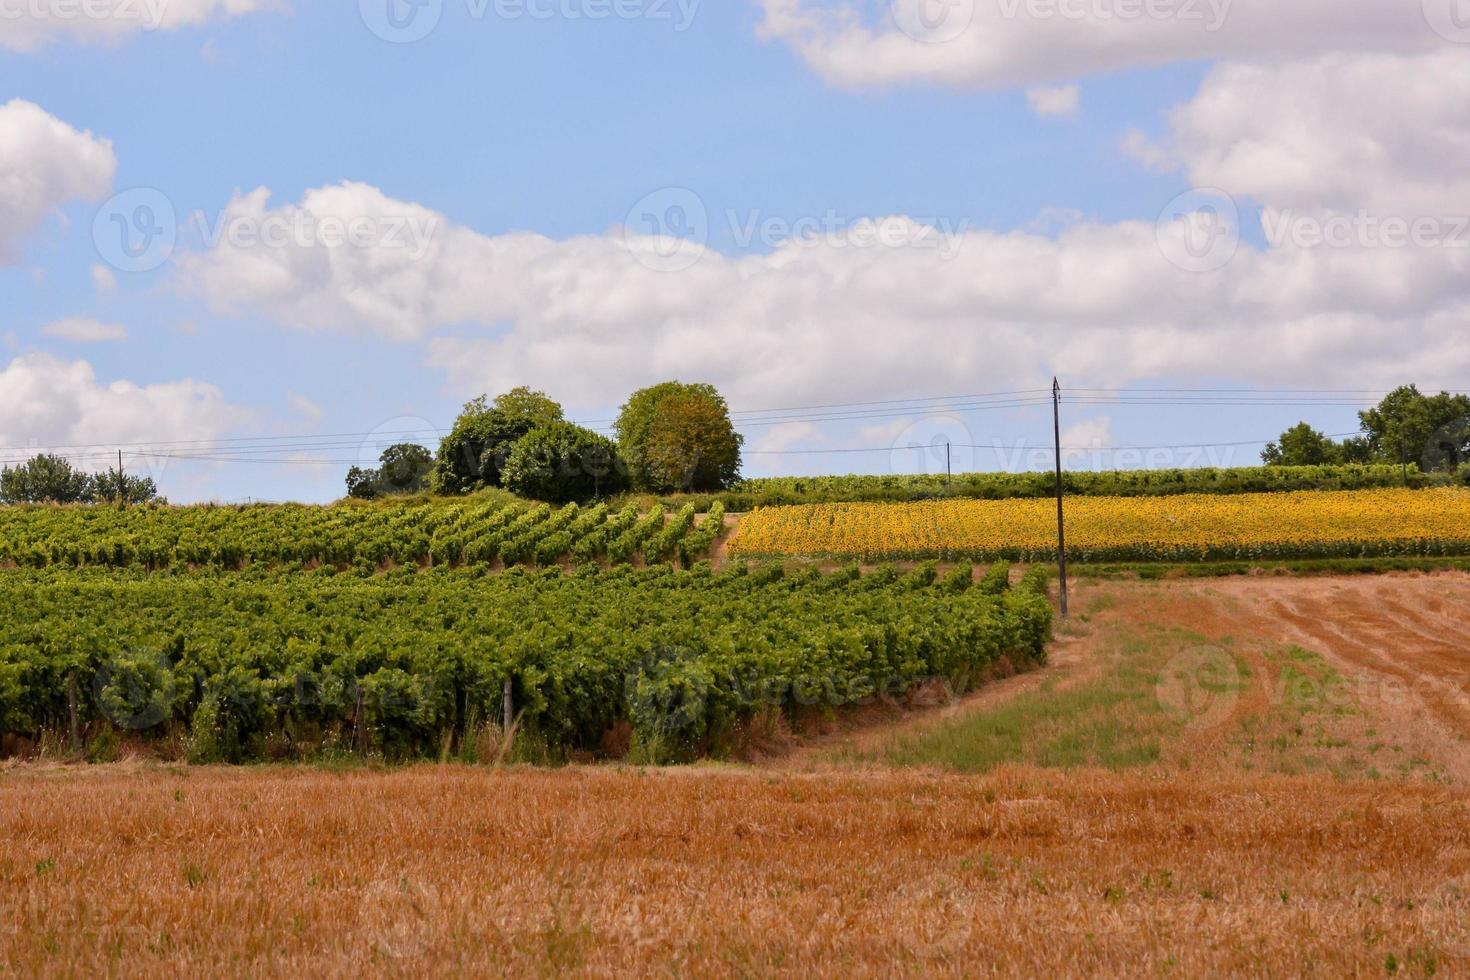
[(1292, 814)]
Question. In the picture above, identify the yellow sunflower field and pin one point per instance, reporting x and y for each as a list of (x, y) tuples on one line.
[(1191, 527)]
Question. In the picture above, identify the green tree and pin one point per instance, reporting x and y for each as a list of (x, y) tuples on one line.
[(525, 403), (45, 479), (402, 468), (472, 455), (676, 436), (560, 463), (117, 485), (1302, 445), (1410, 428), (691, 445)]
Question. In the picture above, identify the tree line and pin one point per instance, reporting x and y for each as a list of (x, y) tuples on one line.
[(1407, 428), (52, 479), (671, 437)]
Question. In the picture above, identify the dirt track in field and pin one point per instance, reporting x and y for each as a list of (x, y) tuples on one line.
[(1401, 644)]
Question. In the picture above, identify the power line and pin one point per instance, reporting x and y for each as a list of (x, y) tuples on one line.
[(241, 448)]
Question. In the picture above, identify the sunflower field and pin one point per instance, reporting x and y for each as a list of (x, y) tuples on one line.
[(1187, 527)]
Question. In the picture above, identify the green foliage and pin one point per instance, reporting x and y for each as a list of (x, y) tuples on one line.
[(691, 445), (560, 462), (1302, 446), (622, 548), (481, 530), (525, 403), (118, 486), (390, 664), (698, 542), (403, 469), (51, 479), (960, 578), (472, 455), (1406, 429), (676, 436), (663, 545), (776, 491), (997, 579)]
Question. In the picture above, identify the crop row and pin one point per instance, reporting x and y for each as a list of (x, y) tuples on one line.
[(1348, 524), (439, 532), (896, 488), (238, 666)]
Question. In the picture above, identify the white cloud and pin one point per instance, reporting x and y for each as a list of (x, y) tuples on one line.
[(1388, 133), (44, 163), (1007, 43), (47, 403), (103, 279), (1054, 100), (28, 24), (418, 271), (305, 407), (884, 433), (84, 330), (586, 318), (1089, 434), (779, 438)]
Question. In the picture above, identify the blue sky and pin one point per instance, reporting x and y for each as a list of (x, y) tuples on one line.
[(771, 113)]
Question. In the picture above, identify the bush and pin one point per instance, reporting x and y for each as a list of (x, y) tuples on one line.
[(560, 463)]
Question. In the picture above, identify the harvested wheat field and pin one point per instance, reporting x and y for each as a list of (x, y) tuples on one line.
[(710, 872), (1253, 775)]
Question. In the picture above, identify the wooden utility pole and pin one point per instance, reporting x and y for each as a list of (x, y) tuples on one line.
[(1056, 405), (121, 482), (948, 469)]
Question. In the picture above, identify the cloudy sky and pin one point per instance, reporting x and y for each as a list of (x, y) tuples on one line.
[(249, 242)]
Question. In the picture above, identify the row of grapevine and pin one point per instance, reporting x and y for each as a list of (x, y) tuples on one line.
[(439, 532), (622, 548), (661, 546), (698, 542), (231, 664)]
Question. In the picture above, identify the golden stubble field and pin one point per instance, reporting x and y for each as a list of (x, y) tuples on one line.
[(451, 870), (1268, 842)]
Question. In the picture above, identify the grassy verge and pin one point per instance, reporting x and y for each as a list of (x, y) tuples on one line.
[(1114, 720)]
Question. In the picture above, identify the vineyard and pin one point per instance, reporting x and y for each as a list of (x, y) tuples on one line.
[(776, 491), (418, 531), (1192, 527), (233, 666)]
